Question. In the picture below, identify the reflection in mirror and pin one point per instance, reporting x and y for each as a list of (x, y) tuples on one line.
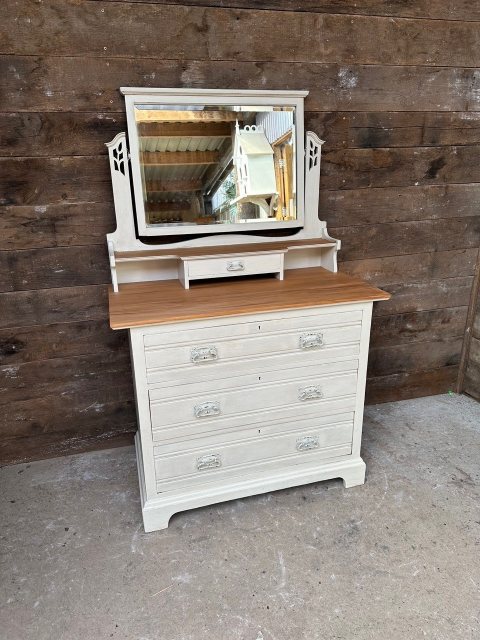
[(217, 164)]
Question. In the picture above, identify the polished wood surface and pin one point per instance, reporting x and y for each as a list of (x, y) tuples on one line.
[(222, 250), (146, 303)]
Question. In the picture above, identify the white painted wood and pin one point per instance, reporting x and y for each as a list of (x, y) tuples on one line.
[(255, 346), (216, 463), (125, 239), (230, 266), (303, 393), (252, 325), (158, 511)]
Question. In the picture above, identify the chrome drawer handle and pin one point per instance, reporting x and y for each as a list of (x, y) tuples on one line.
[(311, 340), (206, 409), (307, 443), (236, 265), (203, 354), (311, 392), (210, 461)]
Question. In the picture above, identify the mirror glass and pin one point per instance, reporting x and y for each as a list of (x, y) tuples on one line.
[(206, 164)]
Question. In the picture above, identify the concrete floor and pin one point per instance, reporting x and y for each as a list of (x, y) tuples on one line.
[(398, 558)]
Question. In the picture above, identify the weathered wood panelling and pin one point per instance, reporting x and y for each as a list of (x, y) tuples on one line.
[(439, 9), (397, 101), (202, 33), (470, 378)]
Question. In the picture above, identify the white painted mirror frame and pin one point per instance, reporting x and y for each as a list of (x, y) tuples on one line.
[(208, 97), (124, 238)]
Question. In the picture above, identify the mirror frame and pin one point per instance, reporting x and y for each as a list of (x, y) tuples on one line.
[(228, 97)]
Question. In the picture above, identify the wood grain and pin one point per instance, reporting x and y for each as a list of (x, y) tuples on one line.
[(50, 306), (378, 240), (358, 207), (434, 325), (77, 133), (59, 443), (57, 84), (31, 269), (415, 384), (63, 340), (416, 356), (471, 383), (141, 304), (79, 29), (85, 178), (426, 294), (367, 130), (52, 225), (412, 268), (463, 10), (79, 374)]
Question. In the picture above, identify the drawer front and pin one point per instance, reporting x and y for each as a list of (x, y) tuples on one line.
[(200, 405), (221, 370), (211, 463), (303, 340), (230, 426), (240, 265), (171, 335)]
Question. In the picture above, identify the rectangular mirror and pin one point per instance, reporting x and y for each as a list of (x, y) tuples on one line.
[(201, 165)]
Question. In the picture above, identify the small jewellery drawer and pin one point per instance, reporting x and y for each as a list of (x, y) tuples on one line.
[(234, 265), (205, 461), (203, 354), (197, 402)]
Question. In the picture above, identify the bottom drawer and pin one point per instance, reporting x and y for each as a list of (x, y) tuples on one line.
[(210, 463)]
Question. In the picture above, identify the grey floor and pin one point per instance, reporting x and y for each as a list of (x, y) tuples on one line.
[(398, 558)]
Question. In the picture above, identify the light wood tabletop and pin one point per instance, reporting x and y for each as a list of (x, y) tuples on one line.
[(161, 302)]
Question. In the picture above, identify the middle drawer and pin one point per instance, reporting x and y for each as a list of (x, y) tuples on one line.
[(243, 395)]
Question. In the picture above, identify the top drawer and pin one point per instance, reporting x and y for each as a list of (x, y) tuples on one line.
[(170, 335), (204, 349)]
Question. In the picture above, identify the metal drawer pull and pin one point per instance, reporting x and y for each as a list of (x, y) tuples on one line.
[(307, 443), (206, 409), (210, 461), (203, 354), (310, 393), (311, 340), (236, 265)]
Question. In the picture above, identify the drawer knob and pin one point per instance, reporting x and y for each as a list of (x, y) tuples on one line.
[(236, 265), (307, 443), (206, 409), (210, 461), (203, 354), (311, 340), (312, 392)]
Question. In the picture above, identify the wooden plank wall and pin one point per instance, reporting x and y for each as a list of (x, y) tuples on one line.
[(393, 90), (470, 377)]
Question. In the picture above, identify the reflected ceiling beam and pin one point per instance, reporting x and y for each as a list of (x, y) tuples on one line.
[(184, 129), (155, 207), (161, 115), (163, 186), (165, 158)]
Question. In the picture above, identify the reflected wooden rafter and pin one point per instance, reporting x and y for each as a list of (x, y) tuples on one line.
[(167, 158)]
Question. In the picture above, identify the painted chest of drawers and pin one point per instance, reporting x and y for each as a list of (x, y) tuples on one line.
[(249, 349), (231, 405)]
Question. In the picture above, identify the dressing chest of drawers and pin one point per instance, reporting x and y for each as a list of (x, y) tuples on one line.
[(249, 349)]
